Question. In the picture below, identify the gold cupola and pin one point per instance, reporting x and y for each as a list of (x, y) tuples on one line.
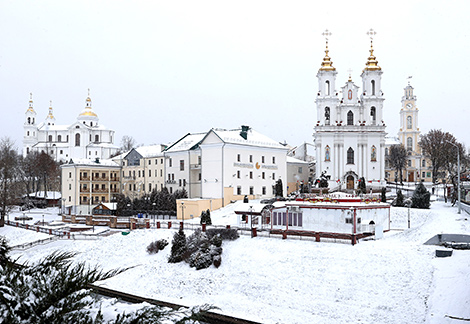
[(372, 64), (327, 64), (50, 119), (88, 111), (30, 107)]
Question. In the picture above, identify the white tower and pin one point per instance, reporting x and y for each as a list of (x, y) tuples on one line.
[(50, 119), (30, 128), (88, 116)]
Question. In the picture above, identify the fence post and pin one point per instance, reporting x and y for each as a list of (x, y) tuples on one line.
[(50, 232), (169, 225), (203, 227), (37, 228), (158, 224)]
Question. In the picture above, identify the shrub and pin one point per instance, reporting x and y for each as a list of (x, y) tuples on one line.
[(421, 197), (156, 246), (178, 247), (400, 200)]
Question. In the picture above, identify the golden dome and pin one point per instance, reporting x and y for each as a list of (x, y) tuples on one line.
[(372, 63), (88, 112), (30, 108), (327, 64)]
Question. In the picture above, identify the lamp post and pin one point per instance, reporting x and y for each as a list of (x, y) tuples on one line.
[(128, 207), (458, 172), (251, 220), (182, 212), (153, 212)]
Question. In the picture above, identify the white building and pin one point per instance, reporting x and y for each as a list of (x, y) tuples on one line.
[(226, 165), (85, 138), (350, 131)]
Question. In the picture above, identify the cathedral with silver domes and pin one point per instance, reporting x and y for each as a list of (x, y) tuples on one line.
[(85, 138)]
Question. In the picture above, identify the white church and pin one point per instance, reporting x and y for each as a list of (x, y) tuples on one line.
[(85, 138), (350, 131)]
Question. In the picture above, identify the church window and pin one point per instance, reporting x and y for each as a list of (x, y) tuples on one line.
[(27, 150), (372, 115), (327, 153), (29, 120), (59, 138), (97, 138), (77, 139), (372, 84), (373, 154), (409, 122), (27, 133), (350, 118), (91, 123), (409, 144), (67, 140), (50, 138), (61, 152), (77, 126), (33, 120), (327, 88), (327, 115), (350, 94), (350, 156)]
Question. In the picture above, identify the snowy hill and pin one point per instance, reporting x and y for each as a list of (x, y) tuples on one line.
[(393, 280)]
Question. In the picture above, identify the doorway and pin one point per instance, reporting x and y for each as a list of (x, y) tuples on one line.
[(411, 177)]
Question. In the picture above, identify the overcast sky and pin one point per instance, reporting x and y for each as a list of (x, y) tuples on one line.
[(160, 69)]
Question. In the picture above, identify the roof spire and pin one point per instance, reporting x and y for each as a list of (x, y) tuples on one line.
[(327, 64), (50, 116), (372, 63), (30, 107)]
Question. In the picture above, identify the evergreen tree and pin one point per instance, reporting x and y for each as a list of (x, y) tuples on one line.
[(208, 219), (4, 250), (179, 248), (421, 197), (279, 188), (400, 200), (384, 195)]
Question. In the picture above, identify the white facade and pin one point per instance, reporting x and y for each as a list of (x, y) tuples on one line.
[(85, 138), (350, 132), (226, 164)]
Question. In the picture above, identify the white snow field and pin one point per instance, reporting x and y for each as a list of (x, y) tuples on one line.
[(393, 280)]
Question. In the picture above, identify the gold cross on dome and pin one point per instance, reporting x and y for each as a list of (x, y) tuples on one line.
[(371, 33), (350, 72), (326, 34)]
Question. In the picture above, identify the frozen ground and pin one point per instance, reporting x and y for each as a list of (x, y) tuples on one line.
[(393, 280)]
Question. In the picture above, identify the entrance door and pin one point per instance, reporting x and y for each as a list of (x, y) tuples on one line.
[(411, 177), (350, 182)]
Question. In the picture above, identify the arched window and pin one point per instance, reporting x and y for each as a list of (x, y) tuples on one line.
[(59, 138), (327, 115), (29, 120), (373, 115), (350, 94), (327, 153), (409, 144), (77, 139), (27, 133), (372, 85), (50, 138), (327, 88), (33, 120), (97, 138), (91, 123), (373, 154), (409, 122), (350, 118), (350, 156), (423, 163), (27, 150)]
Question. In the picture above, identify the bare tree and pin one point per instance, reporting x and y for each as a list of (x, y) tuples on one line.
[(455, 151), (9, 173), (397, 158), (435, 146), (127, 143)]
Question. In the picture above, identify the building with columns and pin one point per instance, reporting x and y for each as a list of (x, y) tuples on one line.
[(86, 138), (350, 131)]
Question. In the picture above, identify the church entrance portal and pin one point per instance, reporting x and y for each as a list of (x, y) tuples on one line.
[(411, 177), (350, 182)]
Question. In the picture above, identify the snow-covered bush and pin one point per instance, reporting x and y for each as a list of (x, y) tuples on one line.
[(225, 233), (156, 246), (206, 217), (399, 201), (4, 250), (178, 247)]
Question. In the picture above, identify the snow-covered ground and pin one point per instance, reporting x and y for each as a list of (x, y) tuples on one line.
[(393, 280)]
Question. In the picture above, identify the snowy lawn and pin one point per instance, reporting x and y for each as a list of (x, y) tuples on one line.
[(393, 280)]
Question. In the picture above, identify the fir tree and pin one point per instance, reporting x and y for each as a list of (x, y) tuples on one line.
[(400, 200), (421, 197), (178, 247), (279, 188)]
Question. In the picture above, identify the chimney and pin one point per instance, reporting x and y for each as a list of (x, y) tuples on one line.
[(244, 132)]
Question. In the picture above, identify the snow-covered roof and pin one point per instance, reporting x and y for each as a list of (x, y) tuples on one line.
[(186, 142), (253, 138), (110, 206), (291, 159), (150, 150), (248, 208), (89, 162), (46, 194), (391, 141)]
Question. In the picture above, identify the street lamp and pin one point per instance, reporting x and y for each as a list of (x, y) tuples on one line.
[(251, 220), (458, 172), (182, 212), (153, 212)]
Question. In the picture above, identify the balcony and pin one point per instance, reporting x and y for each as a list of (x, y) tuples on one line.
[(100, 178), (84, 178), (84, 189), (95, 190), (171, 181)]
